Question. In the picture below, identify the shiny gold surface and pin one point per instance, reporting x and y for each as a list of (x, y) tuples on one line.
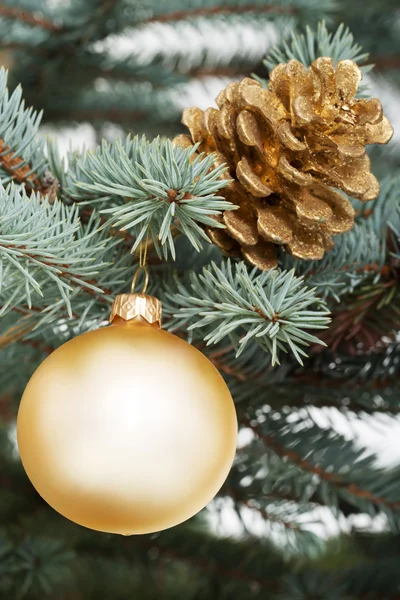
[(127, 429), (287, 147)]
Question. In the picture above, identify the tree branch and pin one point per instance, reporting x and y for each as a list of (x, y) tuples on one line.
[(111, 114), (203, 564), (30, 18), (213, 11), (333, 479), (64, 272), (383, 63), (114, 231), (10, 162), (231, 492), (24, 47), (352, 326)]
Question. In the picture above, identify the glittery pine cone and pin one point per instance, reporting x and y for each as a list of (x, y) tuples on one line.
[(287, 147)]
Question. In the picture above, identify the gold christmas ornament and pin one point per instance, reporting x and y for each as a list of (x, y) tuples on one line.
[(286, 148), (127, 429)]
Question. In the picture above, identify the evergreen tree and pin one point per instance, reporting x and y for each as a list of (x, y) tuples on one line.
[(70, 231)]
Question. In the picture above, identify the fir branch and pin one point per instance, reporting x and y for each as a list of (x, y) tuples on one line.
[(311, 45), (22, 15), (21, 153), (17, 331), (154, 186), (63, 167), (186, 10), (308, 46), (25, 46), (45, 349), (42, 243), (371, 312), (41, 564), (383, 63), (210, 567), (130, 68), (226, 367), (12, 163), (359, 384), (90, 309), (352, 491), (205, 554), (361, 400), (271, 308), (194, 51), (213, 11), (266, 515), (110, 113)]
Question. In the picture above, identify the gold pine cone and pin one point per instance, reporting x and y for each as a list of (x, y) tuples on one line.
[(287, 147)]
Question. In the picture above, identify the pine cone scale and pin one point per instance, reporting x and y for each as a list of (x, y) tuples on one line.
[(248, 130), (377, 134), (310, 208), (262, 256), (250, 181), (274, 224), (287, 147), (347, 80), (288, 139), (241, 225)]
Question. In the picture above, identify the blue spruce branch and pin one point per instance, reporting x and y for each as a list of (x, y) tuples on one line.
[(153, 187), (275, 309)]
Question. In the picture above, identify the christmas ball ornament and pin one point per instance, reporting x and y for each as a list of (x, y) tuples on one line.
[(286, 148), (127, 429)]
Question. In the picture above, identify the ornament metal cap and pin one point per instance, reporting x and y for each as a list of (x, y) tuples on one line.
[(131, 306)]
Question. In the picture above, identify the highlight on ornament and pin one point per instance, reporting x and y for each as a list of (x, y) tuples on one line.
[(127, 429), (287, 147)]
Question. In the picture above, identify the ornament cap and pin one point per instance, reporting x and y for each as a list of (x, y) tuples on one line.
[(131, 306)]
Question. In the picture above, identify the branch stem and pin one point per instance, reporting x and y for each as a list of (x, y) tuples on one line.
[(214, 11), (332, 478), (23, 16)]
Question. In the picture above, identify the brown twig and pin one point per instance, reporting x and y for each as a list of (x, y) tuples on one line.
[(194, 562), (17, 331), (26, 17), (20, 331), (125, 235), (300, 379), (262, 511), (206, 565), (24, 47), (6, 412), (332, 478), (350, 326), (10, 162), (63, 271), (214, 11), (230, 72), (383, 63), (110, 113), (21, 172), (350, 405), (216, 358), (45, 348)]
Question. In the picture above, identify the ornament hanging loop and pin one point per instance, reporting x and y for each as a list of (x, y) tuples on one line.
[(142, 266), (146, 279), (128, 307)]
